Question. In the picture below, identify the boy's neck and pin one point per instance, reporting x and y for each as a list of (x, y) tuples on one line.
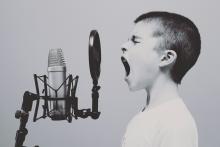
[(163, 90)]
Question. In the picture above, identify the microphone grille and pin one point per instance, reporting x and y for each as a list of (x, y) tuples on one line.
[(56, 58)]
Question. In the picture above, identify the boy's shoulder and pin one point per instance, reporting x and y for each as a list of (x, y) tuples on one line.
[(170, 119), (172, 114)]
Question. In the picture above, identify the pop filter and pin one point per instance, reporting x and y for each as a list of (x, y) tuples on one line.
[(94, 55)]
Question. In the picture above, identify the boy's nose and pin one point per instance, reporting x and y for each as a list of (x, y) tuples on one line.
[(123, 49)]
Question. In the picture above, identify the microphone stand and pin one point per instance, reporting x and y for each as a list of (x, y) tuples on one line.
[(23, 114)]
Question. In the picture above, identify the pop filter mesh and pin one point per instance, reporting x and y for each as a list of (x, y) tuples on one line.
[(94, 55)]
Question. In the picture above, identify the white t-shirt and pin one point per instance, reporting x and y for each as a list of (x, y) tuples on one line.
[(167, 125)]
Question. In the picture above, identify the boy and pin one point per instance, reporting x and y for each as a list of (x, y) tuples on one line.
[(162, 47)]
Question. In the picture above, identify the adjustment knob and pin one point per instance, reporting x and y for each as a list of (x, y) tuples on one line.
[(18, 114)]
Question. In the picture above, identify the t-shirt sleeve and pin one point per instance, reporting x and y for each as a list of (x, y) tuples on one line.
[(179, 137)]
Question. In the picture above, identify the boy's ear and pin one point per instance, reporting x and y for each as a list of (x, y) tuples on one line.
[(168, 58)]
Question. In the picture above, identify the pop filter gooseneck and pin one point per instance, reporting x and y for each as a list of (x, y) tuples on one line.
[(94, 64)]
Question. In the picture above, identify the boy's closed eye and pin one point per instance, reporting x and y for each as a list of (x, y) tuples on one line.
[(134, 39)]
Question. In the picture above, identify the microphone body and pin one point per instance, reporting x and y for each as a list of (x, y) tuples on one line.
[(56, 79)]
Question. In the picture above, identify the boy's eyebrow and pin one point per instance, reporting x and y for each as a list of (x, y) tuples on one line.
[(135, 37)]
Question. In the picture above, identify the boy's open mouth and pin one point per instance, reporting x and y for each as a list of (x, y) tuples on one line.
[(126, 65)]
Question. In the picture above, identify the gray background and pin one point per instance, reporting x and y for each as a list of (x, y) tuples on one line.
[(29, 28)]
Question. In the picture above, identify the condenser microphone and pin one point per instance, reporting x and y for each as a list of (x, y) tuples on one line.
[(57, 82)]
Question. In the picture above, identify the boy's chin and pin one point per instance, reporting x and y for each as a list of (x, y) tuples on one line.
[(134, 87), (134, 84)]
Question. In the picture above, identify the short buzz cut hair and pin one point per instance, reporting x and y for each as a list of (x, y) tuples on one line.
[(180, 35)]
